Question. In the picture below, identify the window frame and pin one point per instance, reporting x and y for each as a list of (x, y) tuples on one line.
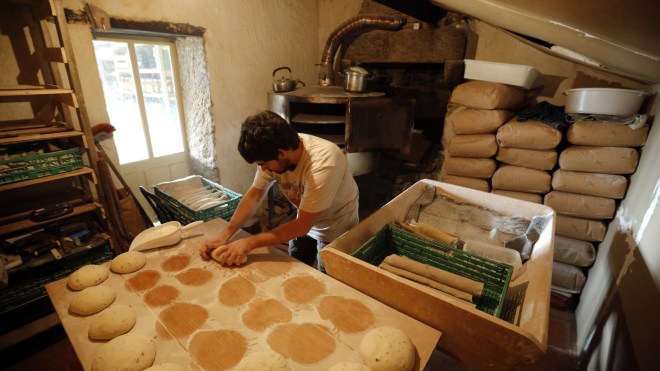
[(131, 39)]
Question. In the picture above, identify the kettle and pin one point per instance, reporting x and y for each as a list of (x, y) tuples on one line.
[(285, 84)]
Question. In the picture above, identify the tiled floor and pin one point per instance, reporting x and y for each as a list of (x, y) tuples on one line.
[(52, 351)]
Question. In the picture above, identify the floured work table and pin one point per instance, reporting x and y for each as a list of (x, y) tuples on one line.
[(273, 302)]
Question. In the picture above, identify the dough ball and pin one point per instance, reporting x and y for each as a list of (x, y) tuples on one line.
[(112, 322), (388, 349), (349, 366), (166, 367), (128, 262), (87, 276), (213, 255), (264, 361), (92, 300), (132, 351)]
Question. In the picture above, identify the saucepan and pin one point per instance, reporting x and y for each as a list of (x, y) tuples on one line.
[(166, 234), (355, 80)]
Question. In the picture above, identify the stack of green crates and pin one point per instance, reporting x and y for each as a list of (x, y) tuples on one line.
[(186, 215), (394, 240)]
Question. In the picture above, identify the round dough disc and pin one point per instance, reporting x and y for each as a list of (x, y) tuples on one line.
[(128, 262), (132, 351), (349, 366), (112, 322), (166, 367), (87, 276), (265, 361), (388, 349), (92, 300)]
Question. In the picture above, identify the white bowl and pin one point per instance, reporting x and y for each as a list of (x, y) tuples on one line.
[(503, 73), (604, 101)]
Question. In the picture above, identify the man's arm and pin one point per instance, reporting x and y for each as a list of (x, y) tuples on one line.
[(234, 252), (245, 209)]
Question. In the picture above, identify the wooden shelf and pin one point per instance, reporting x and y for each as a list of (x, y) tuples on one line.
[(66, 96), (25, 224), (22, 90), (84, 171), (40, 137), (304, 118)]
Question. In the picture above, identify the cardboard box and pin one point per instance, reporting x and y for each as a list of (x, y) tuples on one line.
[(477, 339)]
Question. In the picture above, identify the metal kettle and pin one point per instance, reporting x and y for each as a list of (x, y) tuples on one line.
[(285, 84)]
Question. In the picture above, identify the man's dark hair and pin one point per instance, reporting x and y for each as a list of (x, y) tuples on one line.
[(263, 134)]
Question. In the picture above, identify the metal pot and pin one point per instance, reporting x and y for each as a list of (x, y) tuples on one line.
[(285, 84), (355, 79)]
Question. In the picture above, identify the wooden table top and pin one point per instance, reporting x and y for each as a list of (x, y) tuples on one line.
[(179, 299)]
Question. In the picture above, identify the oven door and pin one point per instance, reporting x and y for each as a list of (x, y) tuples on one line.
[(380, 123)]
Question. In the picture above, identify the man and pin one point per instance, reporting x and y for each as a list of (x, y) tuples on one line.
[(311, 172)]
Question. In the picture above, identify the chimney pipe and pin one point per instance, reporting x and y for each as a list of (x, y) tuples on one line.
[(358, 24)]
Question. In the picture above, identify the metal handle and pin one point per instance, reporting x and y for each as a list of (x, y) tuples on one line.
[(282, 68)]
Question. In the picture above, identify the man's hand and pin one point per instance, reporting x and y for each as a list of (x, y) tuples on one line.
[(210, 245), (234, 253)]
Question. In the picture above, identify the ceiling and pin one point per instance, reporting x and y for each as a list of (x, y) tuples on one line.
[(621, 35)]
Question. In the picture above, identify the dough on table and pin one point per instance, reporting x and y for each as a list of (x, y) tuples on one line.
[(264, 361), (214, 256), (112, 322), (166, 367), (388, 349), (128, 262), (349, 366), (87, 276), (92, 300), (130, 352)]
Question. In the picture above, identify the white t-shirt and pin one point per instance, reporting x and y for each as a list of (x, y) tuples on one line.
[(321, 182)]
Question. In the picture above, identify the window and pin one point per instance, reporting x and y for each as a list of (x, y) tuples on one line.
[(141, 94)]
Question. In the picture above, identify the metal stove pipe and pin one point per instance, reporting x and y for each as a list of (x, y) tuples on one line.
[(358, 24)]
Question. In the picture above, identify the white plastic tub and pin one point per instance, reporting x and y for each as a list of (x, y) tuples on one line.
[(604, 101), (503, 73)]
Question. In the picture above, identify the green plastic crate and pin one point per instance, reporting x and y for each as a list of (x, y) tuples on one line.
[(39, 166), (394, 240), (186, 215)]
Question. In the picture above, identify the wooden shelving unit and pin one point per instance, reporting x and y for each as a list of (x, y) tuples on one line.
[(58, 125)]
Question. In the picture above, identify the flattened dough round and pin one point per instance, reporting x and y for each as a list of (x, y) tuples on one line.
[(128, 262), (92, 300), (112, 322), (388, 349), (349, 366), (132, 351), (166, 367), (87, 276), (265, 361)]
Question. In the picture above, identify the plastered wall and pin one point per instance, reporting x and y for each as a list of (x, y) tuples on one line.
[(244, 41)]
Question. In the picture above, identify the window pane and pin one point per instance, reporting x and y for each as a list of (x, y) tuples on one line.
[(114, 65), (157, 79)]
